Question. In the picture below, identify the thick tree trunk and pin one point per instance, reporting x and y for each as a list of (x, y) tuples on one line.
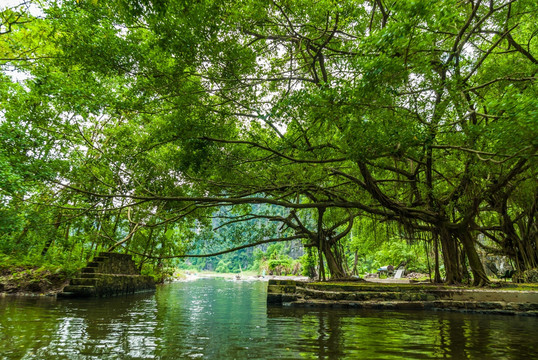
[(437, 276), (321, 244), (334, 263), (450, 252), (355, 271), (479, 274), (521, 243), (321, 266), (311, 268)]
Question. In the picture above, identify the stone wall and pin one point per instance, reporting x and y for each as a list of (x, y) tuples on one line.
[(113, 263), (281, 291), (368, 295), (109, 274)]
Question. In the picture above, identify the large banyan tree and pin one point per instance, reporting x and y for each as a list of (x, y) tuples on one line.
[(418, 112)]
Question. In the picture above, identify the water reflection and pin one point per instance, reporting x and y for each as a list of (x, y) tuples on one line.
[(216, 319), (44, 328), (348, 333), (212, 319)]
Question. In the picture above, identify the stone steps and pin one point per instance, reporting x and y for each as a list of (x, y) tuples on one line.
[(89, 275), (366, 296), (363, 295), (84, 281), (372, 287), (79, 291), (108, 274)]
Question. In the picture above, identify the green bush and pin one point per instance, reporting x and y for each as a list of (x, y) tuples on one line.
[(223, 266), (308, 262)]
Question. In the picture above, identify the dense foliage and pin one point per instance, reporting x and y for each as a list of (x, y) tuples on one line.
[(138, 124)]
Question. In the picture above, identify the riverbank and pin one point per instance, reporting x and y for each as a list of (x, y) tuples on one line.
[(512, 299), (38, 281), (32, 281), (243, 276)]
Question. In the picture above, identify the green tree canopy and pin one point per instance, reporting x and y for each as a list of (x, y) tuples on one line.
[(416, 112)]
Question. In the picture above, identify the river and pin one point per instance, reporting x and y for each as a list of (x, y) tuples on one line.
[(219, 319)]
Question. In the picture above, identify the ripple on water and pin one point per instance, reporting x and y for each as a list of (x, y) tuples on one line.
[(216, 319)]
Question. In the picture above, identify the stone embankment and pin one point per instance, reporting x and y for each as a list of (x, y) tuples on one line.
[(366, 295), (109, 274)]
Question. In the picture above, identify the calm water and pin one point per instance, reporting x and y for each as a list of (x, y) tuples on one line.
[(218, 319)]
